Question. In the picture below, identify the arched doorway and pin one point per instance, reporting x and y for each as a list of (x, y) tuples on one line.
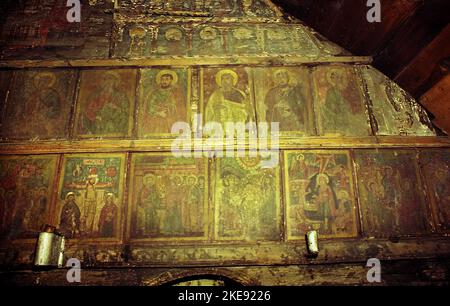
[(203, 280)]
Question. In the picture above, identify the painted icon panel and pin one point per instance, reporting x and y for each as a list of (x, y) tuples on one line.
[(26, 189), (169, 198), (435, 166), (246, 200), (106, 103), (390, 193), (340, 107), (227, 95), (288, 39), (90, 201), (164, 100), (319, 194), (208, 40), (395, 111), (244, 40), (40, 100), (228, 8), (171, 40), (284, 96), (133, 40)]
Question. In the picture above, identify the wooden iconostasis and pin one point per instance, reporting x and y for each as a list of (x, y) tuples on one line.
[(87, 117)]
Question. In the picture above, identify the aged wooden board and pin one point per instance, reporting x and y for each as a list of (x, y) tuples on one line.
[(246, 200), (391, 193), (395, 112), (289, 39), (208, 40), (229, 8), (105, 106), (227, 95), (244, 39), (169, 198), (339, 103), (40, 29), (186, 61), (90, 197), (284, 96), (164, 100), (171, 40), (26, 189), (194, 39), (39, 104), (5, 80), (435, 165), (165, 145), (395, 273), (331, 252), (319, 194)]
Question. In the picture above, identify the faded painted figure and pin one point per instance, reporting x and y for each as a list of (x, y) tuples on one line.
[(108, 217), (285, 103), (164, 102), (340, 105), (247, 200), (169, 202), (320, 194), (228, 103), (436, 167), (390, 193), (107, 109), (69, 223), (105, 103), (25, 193), (42, 100)]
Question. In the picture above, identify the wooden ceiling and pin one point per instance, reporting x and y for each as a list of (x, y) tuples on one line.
[(411, 45)]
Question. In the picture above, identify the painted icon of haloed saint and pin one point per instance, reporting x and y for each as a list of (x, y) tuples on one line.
[(319, 193), (285, 102), (340, 102), (42, 99), (165, 100), (90, 196), (228, 103), (105, 102)]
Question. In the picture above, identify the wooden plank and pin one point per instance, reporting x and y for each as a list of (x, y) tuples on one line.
[(413, 36), (425, 70), (344, 21), (437, 101), (165, 145), (370, 38), (177, 61), (394, 272)]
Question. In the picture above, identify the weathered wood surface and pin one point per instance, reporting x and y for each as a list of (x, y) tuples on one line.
[(394, 272)]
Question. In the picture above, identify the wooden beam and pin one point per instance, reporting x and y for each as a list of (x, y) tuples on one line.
[(425, 70), (165, 145), (344, 21), (437, 101), (186, 61), (414, 35)]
